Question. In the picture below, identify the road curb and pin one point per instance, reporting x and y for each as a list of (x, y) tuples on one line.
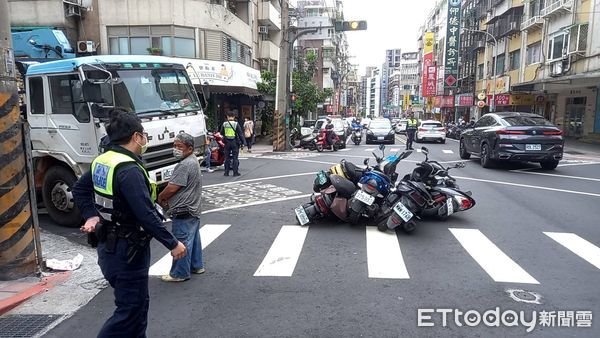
[(24, 290)]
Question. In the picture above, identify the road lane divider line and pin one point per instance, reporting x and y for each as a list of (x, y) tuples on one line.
[(528, 186), (208, 233), (256, 203), (578, 246), (493, 260), (448, 151), (283, 255), (556, 175), (260, 179), (384, 257)]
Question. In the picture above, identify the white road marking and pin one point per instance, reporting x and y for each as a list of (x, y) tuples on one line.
[(256, 203), (370, 149), (577, 164), (521, 171), (419, 150), (345, 149), (393, 150), (208, 233), (528, 186), (578, 246), (283, 255), (260, 179), (495, 262), (447, 151), (384, 258)]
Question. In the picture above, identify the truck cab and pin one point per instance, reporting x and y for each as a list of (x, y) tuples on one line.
[(67, 106)]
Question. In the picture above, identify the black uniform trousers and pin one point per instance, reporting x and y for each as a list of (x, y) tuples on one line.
[(232, 152), (410, 136), (130, 284)]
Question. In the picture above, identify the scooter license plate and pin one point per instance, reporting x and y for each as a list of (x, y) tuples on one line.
[(364, 197), (403, 212), (301, 215), (450, 206)]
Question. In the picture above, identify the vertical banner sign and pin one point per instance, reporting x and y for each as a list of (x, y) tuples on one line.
[(452, 44), (429, 68)]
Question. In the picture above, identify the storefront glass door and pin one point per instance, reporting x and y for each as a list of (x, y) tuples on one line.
[(574, 116)]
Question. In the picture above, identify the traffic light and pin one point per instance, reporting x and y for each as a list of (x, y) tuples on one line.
[(351, 25)]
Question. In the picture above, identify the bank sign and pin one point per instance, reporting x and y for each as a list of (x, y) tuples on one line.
[(452, 44)]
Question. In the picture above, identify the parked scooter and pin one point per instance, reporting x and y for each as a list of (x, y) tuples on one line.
[(429, 191), (303, 141), (356, 135), (375, 185)]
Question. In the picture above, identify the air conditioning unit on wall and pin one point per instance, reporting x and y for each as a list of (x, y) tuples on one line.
[(556, 68), (85, 47), (263, 29)]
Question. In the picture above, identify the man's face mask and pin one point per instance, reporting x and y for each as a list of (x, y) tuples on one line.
[(144, 145)]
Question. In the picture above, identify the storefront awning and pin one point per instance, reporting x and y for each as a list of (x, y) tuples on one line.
[(231, 90), (223, 77), (559, 82)]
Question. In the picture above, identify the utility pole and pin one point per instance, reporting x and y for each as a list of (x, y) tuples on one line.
[(18, 244), (281, 97)]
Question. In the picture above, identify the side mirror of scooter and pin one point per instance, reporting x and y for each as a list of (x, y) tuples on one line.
[(382, 147), (425, 150), (366, 162)]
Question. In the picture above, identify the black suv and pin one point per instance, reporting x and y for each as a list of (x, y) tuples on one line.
[(512, 136)]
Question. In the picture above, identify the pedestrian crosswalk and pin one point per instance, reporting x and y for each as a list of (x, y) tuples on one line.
[(386, 260)]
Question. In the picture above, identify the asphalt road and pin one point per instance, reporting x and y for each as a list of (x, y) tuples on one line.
[(511, 240)]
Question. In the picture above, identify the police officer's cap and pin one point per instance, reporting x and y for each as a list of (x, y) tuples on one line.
[(122, 126)]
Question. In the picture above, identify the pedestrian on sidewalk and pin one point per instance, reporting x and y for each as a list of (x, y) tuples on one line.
[(249, 133), (411, 129), (232, 135), (182, 197), (117, 199), (207, 152)]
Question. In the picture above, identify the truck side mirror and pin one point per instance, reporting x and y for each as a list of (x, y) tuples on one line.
[(99, 112)]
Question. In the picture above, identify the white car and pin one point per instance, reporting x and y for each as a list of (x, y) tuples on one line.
[(400, 127), (431, 130)]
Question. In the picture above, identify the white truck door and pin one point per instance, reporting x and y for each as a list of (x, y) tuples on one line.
[(38, 106), (70, 124)]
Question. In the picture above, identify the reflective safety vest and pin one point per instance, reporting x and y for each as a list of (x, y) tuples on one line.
[(103, 175), (230, 128), (412, 123)]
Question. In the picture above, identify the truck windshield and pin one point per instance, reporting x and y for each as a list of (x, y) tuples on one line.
[(150, 90)]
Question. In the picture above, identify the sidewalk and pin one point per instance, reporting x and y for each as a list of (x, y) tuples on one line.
[(575, 147), (31, 306)]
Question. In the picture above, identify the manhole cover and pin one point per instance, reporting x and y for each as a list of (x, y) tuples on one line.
[(24, 325), (524, 296)]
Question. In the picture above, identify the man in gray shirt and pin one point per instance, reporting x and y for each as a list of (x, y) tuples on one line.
[(182, 197)]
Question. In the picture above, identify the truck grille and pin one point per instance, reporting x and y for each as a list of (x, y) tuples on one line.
[(159, 156)]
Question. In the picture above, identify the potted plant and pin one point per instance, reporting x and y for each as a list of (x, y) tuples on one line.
[(154, 51)]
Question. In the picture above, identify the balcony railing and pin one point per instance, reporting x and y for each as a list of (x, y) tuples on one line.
[(532, 23), (556, 7)]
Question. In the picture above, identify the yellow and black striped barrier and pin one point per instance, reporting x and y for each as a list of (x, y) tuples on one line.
[(17, 244)]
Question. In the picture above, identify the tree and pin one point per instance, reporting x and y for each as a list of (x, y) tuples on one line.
[(267, 87), (308, 95)]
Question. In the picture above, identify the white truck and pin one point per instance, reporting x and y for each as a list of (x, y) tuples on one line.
[(67, 105)]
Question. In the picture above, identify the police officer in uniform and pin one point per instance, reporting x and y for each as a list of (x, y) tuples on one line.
[(411, 128), (117, 199), (234, 139)]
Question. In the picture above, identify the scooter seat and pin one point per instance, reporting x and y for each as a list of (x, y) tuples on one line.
[(345, 188), (353, 172)]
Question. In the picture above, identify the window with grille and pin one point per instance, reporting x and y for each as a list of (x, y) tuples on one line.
[(558, 45), (578, 38)]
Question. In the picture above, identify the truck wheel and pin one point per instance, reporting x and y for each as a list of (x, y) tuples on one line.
[(58, 197)]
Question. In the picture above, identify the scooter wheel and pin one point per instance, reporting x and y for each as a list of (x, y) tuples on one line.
[(409, 227), (320, 148), (382, 227)]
